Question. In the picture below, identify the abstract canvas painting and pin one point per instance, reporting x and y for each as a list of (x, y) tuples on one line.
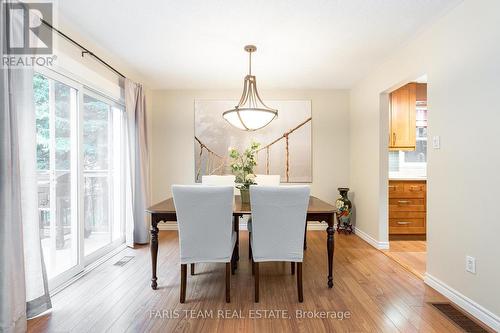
[(285, 144)]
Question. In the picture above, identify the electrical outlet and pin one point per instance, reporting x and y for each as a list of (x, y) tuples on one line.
[(470, 264), (436, 142)]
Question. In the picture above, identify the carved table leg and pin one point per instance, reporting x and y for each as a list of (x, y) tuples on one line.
[(237, 229), (154, 250), (330, 247)]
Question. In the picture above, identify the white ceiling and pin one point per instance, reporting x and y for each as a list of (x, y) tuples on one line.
[(190, 44)]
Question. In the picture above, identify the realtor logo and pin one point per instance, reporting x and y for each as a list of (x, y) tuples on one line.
[(25, 32)]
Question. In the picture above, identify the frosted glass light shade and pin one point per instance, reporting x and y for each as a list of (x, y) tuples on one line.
[(249, 119)]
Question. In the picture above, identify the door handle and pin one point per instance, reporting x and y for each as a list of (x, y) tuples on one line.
[(414, 188), (393, 138), (403, 222), (403, 202)]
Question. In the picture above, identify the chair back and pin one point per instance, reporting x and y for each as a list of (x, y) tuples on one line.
[(278, 222), (268, 180), (204, 216), (226, 180)]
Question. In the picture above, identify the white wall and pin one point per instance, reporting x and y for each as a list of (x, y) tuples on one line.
[(460, 53), (172, 157), (94, 71)]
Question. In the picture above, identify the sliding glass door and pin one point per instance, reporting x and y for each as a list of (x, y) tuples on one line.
[(79, 174), (101, 173), (56, 110)]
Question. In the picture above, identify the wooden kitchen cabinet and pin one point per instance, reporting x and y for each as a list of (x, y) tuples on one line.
[(421, 92), (407, 207), (402, 118)]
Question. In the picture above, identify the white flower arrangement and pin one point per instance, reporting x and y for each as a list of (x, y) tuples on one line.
[(242, 165), (250, 177)]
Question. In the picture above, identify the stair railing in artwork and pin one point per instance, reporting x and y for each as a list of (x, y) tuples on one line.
[(287, 151), (215, 162), (211, 165)]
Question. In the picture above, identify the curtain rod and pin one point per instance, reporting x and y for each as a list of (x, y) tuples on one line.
[(83, 48)]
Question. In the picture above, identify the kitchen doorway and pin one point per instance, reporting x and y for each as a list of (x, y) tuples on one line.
[(407, 175)]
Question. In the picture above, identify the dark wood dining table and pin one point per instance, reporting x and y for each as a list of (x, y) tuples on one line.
[(318, 210)]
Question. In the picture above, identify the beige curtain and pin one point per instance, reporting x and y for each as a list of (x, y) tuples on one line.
[(137, 168), (23, 280)]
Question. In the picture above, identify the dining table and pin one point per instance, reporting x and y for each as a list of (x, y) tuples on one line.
[(317, 210)]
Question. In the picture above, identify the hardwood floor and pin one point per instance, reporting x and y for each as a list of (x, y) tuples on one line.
[(411, 254), (378, 294)]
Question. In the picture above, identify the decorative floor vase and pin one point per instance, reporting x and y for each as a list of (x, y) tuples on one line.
[(245, 196), (344, 207)]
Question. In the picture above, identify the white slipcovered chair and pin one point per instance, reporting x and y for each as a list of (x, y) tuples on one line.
[(227, 180), (278, 219), (204, 217), (268, 180), (261, 180)]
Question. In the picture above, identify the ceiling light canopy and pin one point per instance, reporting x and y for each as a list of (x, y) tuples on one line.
[(251, 113)]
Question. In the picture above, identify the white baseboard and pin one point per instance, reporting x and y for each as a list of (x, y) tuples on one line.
[(243, 226), (476, 310), (370, 240)]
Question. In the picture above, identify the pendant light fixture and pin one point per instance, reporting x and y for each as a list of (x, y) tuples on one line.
[(251, 113)]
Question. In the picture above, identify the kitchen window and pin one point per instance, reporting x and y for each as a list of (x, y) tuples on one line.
[(412, 164)]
